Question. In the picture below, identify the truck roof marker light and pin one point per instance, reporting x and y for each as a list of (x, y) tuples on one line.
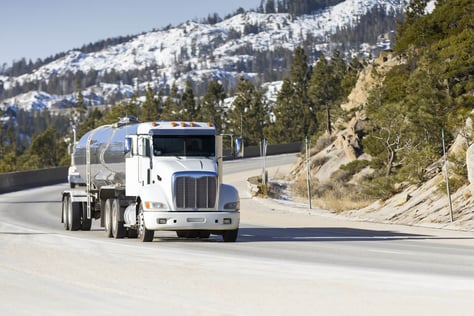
[(173, 124), (210, 124), (183, 124), (192, 124), (154, 124)]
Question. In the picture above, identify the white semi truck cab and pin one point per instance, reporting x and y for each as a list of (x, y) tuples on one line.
[(138, 178)]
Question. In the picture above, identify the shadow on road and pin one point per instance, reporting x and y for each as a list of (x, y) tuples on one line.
[(313, 234)]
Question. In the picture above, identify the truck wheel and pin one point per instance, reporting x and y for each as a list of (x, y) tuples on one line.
[(230, 235), (86, 223), (74, 216), (118, 231), (144, 234), (108, 218), (65, 212)]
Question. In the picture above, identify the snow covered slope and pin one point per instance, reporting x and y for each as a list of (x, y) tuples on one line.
[(198, 51)]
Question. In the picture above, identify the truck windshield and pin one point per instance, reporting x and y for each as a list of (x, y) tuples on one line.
[(184, 146)]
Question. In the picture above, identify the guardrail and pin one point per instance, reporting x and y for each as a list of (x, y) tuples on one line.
[(16, 181)]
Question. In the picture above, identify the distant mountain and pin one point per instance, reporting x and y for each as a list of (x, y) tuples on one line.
[(253, 45)]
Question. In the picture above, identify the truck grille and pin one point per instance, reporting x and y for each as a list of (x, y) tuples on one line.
[(194, 192)]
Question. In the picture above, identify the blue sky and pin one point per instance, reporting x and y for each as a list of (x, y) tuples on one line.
[(41, 28)]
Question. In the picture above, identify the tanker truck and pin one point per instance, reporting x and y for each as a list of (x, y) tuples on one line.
[(138, 178)]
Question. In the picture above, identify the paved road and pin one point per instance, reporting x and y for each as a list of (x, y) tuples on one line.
[(285, 262)]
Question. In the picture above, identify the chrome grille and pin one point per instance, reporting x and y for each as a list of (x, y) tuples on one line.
[(194, 192)]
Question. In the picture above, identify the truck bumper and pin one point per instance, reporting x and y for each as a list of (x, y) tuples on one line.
[(191, 220)]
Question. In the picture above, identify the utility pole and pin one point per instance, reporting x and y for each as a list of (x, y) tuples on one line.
[(447, 177), (308, 171)]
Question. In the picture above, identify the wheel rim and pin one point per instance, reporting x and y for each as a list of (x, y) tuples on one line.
[(107, 217), (66, 213), (114, 220), (69, 212)]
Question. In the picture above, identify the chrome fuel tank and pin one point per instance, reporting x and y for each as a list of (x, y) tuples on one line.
[(107, 154)]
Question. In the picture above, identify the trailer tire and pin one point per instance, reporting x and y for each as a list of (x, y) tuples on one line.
[(74, 215), (144, 234), (108, 218), (118, 231), (132, 233), (230, 235), (64, 211), (86, 223)]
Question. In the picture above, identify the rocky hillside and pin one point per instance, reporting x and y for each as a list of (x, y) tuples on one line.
[(341, 189)]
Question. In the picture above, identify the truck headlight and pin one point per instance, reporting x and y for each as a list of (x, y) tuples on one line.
[(232, 206), (150, 205)]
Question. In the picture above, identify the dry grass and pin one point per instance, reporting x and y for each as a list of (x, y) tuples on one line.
[(333, 195)]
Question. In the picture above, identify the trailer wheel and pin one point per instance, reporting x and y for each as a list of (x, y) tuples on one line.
[(108, 218), (65, 212), (230, 235), (132, 233), (144, 234), (74, 215), (118, 231), (86, 223)]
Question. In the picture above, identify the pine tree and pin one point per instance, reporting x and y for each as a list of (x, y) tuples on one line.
[(302, 105), (326, 87), (171, 111), (283, 129), (247, 117), (188, 104), (212, 105), (151, 108)]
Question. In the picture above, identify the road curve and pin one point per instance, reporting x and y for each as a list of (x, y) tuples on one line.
[(285, 262)]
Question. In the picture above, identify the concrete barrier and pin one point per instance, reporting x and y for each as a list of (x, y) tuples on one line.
[(277, 149), (16, 181)]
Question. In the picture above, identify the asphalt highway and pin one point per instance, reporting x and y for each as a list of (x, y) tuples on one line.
[(285, 261)]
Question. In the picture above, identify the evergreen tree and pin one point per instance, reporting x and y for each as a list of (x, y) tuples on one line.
[(151, 108), (47, 150), (188, 104), (270, 6), (326, 87), (171, 110), (212, 105), (302, 105), (90, 122), (284, 128), (248, 115)]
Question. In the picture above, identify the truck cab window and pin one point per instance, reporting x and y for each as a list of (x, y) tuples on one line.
[(184, 146)]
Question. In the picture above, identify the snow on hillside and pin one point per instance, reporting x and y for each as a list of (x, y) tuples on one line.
[(206, 48)]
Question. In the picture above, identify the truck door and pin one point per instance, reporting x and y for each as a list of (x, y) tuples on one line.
[(131, 166), (144, 160)]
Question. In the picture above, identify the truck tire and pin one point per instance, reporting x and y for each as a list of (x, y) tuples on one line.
[(65, 211), (108, 218), (86, 223), (74, 215), (118, 231), (230, 235), (144, 234)]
